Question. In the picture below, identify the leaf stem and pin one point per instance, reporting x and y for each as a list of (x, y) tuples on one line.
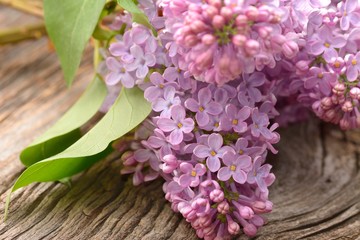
[(12, 35), (33, 7)]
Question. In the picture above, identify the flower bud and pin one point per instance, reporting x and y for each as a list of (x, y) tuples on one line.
[(227, 13), (208, 39), (241, 21), (347, 106), (339, 89), (218, 22), (252, 47), (326, 103), (250, 230), (128, 158), (252, 13), (355, 93), (217, 195), (246, 212), (239, 40), (223, 207)]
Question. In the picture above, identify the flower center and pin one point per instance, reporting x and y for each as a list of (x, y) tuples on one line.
[(337, 64), (354, 62), (161, 86), (327, 45), (216, 124), (201, 109), (179, 125), (256, 126), (233, 168), (320, 75), (193, 173), (122, 70), (225, 34), (345, 13), (213, 153), (241, 152), (235, 122)]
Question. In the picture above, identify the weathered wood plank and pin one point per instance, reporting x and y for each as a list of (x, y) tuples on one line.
[(316, 195)]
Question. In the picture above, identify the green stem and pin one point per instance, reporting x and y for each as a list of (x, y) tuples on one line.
[(18, 34)]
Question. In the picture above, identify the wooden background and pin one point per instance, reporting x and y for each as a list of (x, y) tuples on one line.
[(316, 195)]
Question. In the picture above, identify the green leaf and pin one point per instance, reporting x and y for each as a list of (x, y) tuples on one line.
[(70, 24), (66, 130), (137, 15), (129, 110)]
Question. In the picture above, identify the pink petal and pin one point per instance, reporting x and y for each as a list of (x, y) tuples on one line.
[(345, 23), (202, 118), (186, 167), (176, 137), (202, 151), (192, 105), (185, 180), (224, 174), (166, 125), (215, 141), (213, 164), (204, 96), (239, 177)]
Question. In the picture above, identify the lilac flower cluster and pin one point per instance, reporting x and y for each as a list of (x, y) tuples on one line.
[(330, 63), (220, 76), (222, 39), (210, 149)]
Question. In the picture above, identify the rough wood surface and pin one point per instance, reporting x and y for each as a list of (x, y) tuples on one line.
[(316, 195)]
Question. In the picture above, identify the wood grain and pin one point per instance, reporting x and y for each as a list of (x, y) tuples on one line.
[(316, 195)]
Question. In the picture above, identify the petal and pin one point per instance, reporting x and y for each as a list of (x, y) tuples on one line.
[(202, 118), (178, 113), (176, 137), (350, 5), (244, 113), (317, 48), (128, 81), (338, 42), (213, 163), (204, 96), (224, 174), (214, 108), (142, 71), (239, 177), (355, 18), (215, 141), (173, 187), (171, 74), (352, 74), (188, 125), (160, 105), (166, 125), (261, 184), (142, 155), (244, 162), (241, 143), (257, 79), (137, 51), (241, 127), (186, 167), (192, 105), (200, 169), (202, 151), (311, 82), (150, 60), (345, 23), (113, 64), (266, 133), (112, 78), (228, 158)]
